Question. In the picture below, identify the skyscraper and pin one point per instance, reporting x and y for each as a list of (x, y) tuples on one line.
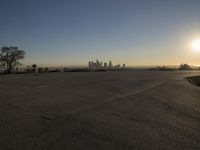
[(90, 65), (110, 66), (105, 66)]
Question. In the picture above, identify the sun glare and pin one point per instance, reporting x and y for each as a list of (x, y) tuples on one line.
[(196, 45)]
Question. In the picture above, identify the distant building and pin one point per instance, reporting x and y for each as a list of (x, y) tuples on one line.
[(105, 66), (95, 66), (117, 66), (110, 66), (124, 66), (90, 65)]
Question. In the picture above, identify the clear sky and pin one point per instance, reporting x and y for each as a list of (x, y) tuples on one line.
[(72, 32)]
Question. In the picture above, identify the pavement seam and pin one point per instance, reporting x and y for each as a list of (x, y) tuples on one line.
[(112, 99)]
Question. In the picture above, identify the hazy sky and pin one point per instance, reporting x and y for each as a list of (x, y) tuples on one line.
[(72, 32)]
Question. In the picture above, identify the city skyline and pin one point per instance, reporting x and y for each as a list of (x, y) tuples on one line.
[(100, 65), (135, 33)]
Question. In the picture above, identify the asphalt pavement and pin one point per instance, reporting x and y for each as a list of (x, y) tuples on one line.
[(133, 110)]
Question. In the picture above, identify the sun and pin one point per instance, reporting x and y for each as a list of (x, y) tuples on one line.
[(196, 45)]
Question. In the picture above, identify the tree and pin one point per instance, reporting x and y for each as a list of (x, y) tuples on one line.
[(34, 67), (184, 67), (40, 70), (10, 57), (46, 69), (29, 69)]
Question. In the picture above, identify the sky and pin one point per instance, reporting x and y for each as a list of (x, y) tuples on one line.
[(72, 32)]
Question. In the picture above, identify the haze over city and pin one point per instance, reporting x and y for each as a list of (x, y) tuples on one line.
[(137, 33)]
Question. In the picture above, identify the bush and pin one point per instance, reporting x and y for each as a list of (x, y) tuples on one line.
[(185, 67)]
